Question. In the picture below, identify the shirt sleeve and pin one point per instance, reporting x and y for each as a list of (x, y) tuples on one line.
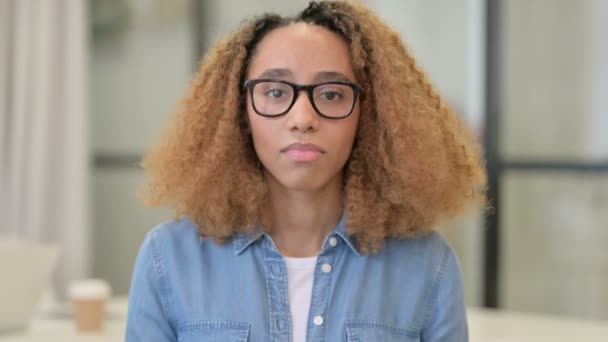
[(447, 321), (148, 317)]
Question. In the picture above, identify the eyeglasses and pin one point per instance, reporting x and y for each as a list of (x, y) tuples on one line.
[(332, 100)]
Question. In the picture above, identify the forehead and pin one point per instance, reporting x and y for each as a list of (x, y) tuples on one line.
[(304, 49)]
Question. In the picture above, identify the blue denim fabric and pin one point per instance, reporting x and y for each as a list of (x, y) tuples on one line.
[(188, 289)]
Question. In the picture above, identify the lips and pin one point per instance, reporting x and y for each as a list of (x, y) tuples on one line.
[(303, 152), (303, 147)]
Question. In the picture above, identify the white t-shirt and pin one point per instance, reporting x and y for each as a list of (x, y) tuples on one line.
[(300, 277)]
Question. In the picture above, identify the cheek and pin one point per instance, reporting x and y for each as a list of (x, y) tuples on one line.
[(348, 132), (262, 134), (252, 121)]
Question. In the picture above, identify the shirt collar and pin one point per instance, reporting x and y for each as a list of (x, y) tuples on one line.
[(243, 240)]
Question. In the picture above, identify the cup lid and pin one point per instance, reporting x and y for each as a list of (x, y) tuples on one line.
[(89, 289)]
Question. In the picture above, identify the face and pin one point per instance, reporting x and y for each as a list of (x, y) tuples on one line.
[(302, 150)]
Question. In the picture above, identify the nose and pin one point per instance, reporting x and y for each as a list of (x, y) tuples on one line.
[(302, 115)]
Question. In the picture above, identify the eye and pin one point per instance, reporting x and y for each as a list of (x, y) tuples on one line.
[(275, 93), (331, 95)]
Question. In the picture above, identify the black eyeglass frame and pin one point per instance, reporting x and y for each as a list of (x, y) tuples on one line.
[(309, 88)]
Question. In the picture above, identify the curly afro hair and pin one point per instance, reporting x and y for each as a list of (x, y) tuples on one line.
[(413, 162)]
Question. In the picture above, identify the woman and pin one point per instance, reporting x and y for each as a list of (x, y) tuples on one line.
[(307, 165)]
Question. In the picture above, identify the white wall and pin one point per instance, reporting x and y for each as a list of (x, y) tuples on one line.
[(140, 69), (555, 108)]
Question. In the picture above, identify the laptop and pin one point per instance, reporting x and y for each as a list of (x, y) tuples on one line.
[(25, 269)]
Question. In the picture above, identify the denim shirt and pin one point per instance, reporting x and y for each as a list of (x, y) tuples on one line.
[(189, 289)]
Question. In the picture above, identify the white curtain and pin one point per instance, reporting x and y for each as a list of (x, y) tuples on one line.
[(44, 143)]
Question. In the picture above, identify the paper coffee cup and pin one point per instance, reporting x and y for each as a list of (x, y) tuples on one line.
[(89, 297)]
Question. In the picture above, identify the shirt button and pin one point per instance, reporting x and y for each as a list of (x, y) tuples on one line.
[(333, 241), (326, 268), (318, 320)]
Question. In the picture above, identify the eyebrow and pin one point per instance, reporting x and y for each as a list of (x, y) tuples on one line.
[(331, 76), (321, 76), (275, 73)]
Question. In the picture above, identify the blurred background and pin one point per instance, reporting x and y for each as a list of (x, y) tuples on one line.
[(85, 87)]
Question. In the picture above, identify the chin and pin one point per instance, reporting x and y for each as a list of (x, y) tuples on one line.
[(300, 180), (302, 184)]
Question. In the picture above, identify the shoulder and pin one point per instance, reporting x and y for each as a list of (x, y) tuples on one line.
[(430, 246), (432, 259), (179, 240), (174, 232), (172, 240), (439, 263), (430, 255)]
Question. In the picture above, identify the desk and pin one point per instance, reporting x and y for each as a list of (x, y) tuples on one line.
[(60, 327), (484, 326)]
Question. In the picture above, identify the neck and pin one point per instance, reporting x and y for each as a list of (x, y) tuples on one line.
[(302, 219)]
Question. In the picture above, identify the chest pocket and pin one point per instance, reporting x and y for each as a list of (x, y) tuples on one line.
[(207, 331), (369, 331)]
